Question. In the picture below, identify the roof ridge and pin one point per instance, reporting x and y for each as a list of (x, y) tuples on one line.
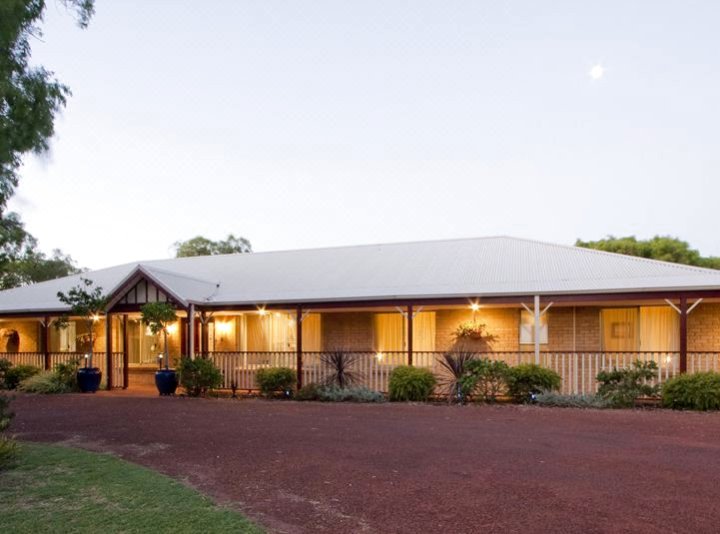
[(179, 275)]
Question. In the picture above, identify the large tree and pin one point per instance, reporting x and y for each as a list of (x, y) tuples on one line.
[(202, 246), (30, 98), (663, 248)]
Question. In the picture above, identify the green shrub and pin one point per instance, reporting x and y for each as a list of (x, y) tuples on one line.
[(698, 391), (66, 374), (5, 366), (527, 380), (8, 447), (485, 379), (622, 387), (44, 382), (571, 401), (17, 374), (276, 379), (324, 393), (414, 384), (198, 376)]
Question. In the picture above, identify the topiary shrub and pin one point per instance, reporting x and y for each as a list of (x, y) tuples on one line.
[(324, 393), (198, 376), (622, 387), (527, 380), (17, 374), (276, 379), (413, 384), (485, 379), (697, 391)]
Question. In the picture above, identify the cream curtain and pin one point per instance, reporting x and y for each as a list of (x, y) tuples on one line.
[(659, 329), (256, 335), (312, 333), (620, 329), (424, 331), (389, 332), (527, 328)]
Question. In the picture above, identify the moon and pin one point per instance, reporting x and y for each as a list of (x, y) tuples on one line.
[(597, 72)]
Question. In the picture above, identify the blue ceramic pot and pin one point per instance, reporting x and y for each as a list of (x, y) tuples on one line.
[(166, 381), (89, 379)]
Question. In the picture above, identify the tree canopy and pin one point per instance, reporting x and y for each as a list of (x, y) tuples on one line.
[(30, 98), (202, 246), (665, 248)]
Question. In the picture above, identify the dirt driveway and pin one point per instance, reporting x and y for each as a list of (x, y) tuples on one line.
[(307, 467)]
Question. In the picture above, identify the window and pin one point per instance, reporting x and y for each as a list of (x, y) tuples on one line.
[(391, 332), (620, 329), (527, 328)]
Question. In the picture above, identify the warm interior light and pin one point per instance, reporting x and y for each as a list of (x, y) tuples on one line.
[(262, 312), (379, 356), (223, 327), (171, 329), (474, 306)]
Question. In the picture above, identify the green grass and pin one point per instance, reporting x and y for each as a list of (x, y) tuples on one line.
[(59, 489)]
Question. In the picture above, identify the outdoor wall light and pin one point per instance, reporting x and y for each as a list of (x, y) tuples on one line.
[(96, 317), (262, 312), (223, 327), (172, 329), (474, 306)]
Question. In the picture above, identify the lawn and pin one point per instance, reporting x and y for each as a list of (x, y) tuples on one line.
[(59, 489)]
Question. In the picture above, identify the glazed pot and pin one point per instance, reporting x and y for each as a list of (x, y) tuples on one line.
[(166, 381), (88, 379)]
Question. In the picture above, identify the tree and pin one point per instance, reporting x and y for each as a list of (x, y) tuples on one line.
[(202, 246), (664, 248), (158, 316), (30, 98), (87, 302)]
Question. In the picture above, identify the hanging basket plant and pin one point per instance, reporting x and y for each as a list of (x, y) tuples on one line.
[(472, 331)]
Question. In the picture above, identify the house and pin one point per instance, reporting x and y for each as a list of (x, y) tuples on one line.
[(574, 310)]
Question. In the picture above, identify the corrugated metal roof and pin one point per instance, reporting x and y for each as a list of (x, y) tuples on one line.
[(492, 266)]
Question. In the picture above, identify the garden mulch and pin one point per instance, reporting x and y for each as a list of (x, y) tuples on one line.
[(309, 467)]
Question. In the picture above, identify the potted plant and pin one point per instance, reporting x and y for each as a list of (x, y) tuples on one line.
[(89, 303), (158, 316)]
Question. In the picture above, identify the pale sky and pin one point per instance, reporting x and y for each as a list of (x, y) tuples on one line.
[(322, 123)]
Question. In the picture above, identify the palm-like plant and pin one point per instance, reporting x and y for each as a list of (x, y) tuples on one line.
[(341, 368), (455, 365)]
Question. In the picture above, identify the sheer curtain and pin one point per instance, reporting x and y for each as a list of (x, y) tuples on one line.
[(424, 331), (659, 329), (312, 333), (620, 329), (389, 332)]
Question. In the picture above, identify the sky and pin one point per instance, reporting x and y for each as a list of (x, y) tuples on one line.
[(325, 123)]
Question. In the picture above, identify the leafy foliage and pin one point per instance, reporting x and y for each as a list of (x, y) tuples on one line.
[(86, 301), (202, 246), (5, 366), (622, 387), (62, 379), (472, 330), (697, 391), (17, 374), (325, 393), (413, 384), (158, 316), (454, 365), (198, 376), (527, 380), (341, 366), (8, 446), (485, 379), (571, 401), (275, 379), (664, 248)]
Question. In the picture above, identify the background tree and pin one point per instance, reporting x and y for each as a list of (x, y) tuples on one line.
[(30, 98), (663, 248), (87, 302), (202, 246), (158, 316)]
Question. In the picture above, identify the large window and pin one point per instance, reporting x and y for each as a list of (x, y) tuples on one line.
[(647, 328), (527, 328), (391, 332), (267, 332)]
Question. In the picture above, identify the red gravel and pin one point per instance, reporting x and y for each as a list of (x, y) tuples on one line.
[(310, 467)]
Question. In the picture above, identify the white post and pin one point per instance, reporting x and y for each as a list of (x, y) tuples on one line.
[(537, 329), (191, 332)]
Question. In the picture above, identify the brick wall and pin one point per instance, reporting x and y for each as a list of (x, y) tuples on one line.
[(502, 323), (347, 330), (704, 328), (560, 330)]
